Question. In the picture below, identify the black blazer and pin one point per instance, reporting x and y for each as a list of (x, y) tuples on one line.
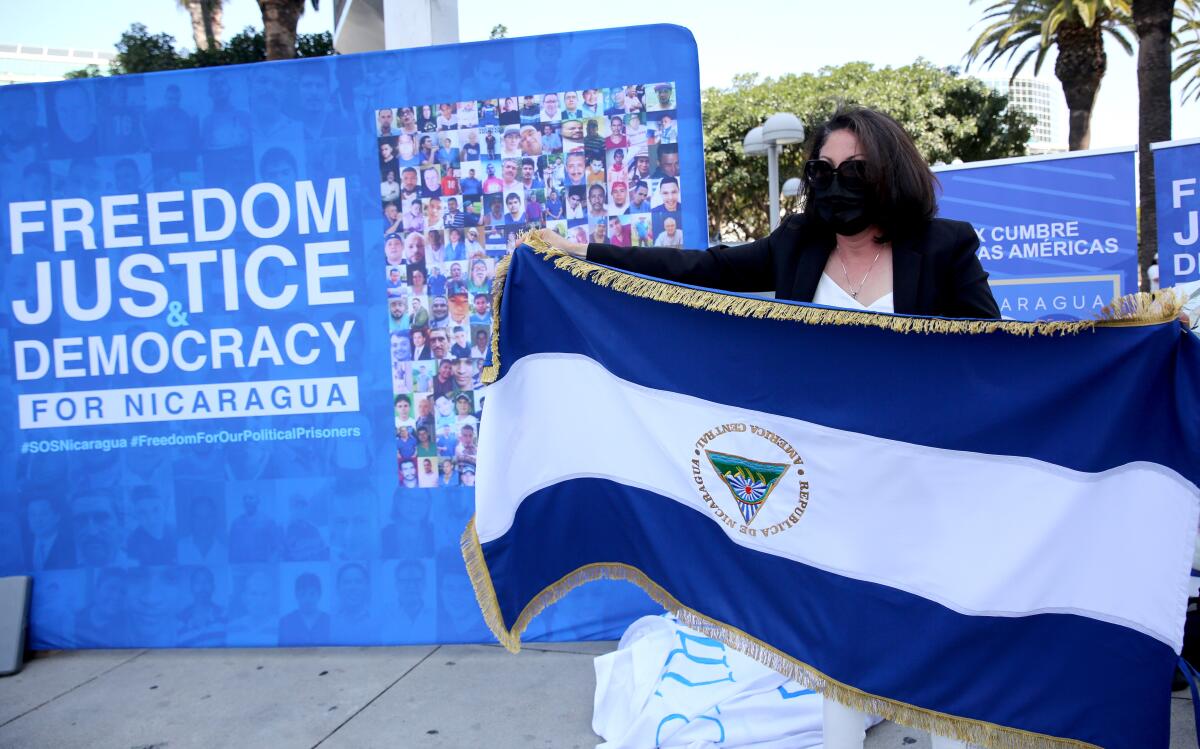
[(934, 272)]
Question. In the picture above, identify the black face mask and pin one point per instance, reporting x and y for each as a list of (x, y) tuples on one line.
[(847, 212)]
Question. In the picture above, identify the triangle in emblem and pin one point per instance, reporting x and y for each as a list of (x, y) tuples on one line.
[(749, 481)]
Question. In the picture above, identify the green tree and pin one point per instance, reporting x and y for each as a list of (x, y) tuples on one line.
[(1186, 46), (1076, 28), (91, 71), (315, 45), (499, 31), (949, 116), (139, 51)]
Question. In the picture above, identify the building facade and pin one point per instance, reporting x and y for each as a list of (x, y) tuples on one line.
[(27, 63), (368, 25), (1043, 101)]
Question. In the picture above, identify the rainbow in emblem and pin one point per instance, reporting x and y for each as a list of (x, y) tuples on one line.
[(749, 481)]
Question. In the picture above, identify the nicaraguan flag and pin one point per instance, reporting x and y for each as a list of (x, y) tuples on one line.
[(980, 528)]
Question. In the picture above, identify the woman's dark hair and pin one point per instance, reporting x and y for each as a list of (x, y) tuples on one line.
[(900, 185)]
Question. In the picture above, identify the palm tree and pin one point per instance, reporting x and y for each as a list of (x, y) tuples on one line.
[(1152, 21), (1187, 46), (1075, 27), (280, 18), (206, 21)]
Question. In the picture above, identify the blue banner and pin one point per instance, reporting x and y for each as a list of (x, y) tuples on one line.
[(1057, 234), (245, 311), (1176, 169), (1177, 203)]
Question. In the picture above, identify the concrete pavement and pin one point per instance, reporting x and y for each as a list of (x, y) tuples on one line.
[(451, 696)]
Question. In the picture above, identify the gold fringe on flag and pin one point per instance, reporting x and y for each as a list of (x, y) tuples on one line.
[(1142, 308), (1131, 310), (976, 732), (491, 372)]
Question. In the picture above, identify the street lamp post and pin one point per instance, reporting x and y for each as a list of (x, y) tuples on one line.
[(773, 182), (780, 129), (791, 188)]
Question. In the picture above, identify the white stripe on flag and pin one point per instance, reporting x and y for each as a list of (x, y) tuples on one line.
[(980, 534)]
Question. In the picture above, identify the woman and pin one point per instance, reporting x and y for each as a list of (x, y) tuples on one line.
[(416, 281), (867, 240), (426, 122)]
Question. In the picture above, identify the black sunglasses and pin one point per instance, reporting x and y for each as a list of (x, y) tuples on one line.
[(851, 174)]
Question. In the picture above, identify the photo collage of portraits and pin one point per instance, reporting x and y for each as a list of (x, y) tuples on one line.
[(460, 182)]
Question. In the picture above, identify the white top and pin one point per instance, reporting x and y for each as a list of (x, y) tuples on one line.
[(832, 295)]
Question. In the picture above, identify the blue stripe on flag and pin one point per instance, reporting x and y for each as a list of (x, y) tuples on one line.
[(937, 659), (938, 398)]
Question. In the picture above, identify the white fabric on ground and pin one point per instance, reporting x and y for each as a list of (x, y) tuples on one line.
[(669, 686)]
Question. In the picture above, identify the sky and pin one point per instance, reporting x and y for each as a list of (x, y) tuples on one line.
[(769, 37)]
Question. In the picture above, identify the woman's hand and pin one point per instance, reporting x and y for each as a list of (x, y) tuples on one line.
[(559, 242)]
